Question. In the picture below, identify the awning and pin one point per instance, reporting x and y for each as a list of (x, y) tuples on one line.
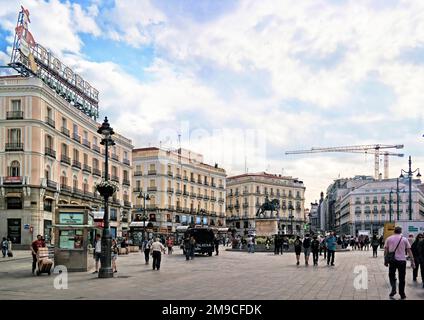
[(14, 195), (48, 198), (138, 224)]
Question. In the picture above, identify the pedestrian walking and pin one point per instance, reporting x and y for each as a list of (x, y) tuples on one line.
[(186, 245), (146, 247), (115, 252), (216, 243), (331, 248), (97, 251), (415, 248), (192, 247), (394, 257), (297, 249), (375, 242), (9, 248), (251, 244), (315, 246), (381, 242), (307, 248), (277, 243), (4, 247), (169, 244), (35, 245), (157, 249), (367, 243), (421, 257), (323, 246), (268, 243)]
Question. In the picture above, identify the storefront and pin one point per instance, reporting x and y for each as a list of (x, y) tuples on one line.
[(14, 230)]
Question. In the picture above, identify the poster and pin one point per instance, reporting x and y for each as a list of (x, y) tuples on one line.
[(71, 218)]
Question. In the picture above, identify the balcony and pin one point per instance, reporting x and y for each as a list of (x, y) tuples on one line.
[(96, 148), (14, 146), (76, 137), (77, 191), (171, 207), (88, 194), (245, 205), (205, 197), (127, 203), (170, 190), (97, 172), (65, 188), (213, 198), (236, 193), (76, 164), (65, 159), (50, 122), (185, 193), (178, 192), (179, 209), (115, 157), (65, 131), (126, 182), (124, 219), (169, 173), (185, 178), (230, 207), (192, 180), (178, 176), (138, 173), (51, 184), (199, 181), (199, 196), (375, 201), (113, 218), (257, 205), (192, 195), (115, 178), (86, 168), (126, 161), (150, 189), (116, 202), (12, 180), (206, 183), (86, 143), (50, 152), (213, 184), (357, 202), (104, 176), (151, 172), (221, 200), (221, 186), (137, 189), (14, 115)]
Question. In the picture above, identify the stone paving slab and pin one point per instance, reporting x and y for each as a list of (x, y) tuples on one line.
[(229, 276)]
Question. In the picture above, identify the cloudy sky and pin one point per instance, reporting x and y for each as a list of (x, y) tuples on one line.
[(244, 81)]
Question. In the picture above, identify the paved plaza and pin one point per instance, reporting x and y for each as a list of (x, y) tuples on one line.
[(231, 275)]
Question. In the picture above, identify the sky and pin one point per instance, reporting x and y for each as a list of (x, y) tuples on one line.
[(242, 82)]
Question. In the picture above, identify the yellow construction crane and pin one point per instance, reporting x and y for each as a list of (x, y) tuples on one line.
[(374, 149)]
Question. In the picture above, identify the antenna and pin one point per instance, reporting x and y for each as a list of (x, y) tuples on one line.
[(245, 164)]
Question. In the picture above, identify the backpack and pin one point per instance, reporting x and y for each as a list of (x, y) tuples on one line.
[(4, 244), (307, 243)]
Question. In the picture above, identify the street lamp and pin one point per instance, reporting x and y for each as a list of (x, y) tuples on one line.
[(291, 217), (105, 259), (410, 175), (144, 196)]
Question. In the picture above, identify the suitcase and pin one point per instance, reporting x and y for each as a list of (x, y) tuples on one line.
[(44, 266)]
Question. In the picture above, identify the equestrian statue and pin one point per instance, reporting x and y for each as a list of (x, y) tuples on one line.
[(272, 206)]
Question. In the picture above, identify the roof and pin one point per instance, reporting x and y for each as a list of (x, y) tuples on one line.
[(264, 175)]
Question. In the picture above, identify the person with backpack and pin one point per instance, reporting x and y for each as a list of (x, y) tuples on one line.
[(147, 245), (394, 257), (307, 248), (169, 244), (417, 258), (297, 249), (4, 247), (315, 247)]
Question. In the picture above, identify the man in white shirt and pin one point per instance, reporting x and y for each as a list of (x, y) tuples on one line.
[(97, 251), (157, 248)]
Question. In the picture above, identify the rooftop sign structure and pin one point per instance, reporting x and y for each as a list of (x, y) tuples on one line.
[(31, 59)]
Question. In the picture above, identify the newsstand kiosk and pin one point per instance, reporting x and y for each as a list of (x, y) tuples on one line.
[(74, 231)]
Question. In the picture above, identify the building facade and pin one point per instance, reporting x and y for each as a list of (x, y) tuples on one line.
[(182, 190), (376, 202), (50, 153), (247, 192)]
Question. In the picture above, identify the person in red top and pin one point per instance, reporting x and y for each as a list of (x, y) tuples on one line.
[(34, 249), (169, 244)]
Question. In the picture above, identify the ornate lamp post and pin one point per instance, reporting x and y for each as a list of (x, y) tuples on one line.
[(410, 174), (106, 190), (291, 217), (145, 197), (390, 205)]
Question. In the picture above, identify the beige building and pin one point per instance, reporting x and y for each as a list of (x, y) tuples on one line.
[(182, 189), (247, 192), (50, 153)]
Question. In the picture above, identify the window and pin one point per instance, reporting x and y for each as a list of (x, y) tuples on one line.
[(76, 155), (75, 129), (126, 175), (49, 142), (47, 173), (14, 203), (14, 135), (153, 183), (16, 105), (64, 124), (85, 135), (48, 204), (14, 170), (75, 182), (49, 113), (85, 159), (95, 141), (152, 167), (95, 163), (114, 171), (64, 149), (125, 155)]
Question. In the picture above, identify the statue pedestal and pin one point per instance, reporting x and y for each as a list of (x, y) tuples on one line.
[(266, 227)]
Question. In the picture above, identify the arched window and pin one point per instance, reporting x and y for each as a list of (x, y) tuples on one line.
[(75, 182), (15, 169)]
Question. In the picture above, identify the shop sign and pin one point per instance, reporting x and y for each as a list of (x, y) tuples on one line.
[(71, 218)]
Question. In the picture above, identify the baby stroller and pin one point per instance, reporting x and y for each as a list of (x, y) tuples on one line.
[(44, 263)]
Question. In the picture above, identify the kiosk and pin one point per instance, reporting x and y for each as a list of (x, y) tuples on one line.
[(74, 231)]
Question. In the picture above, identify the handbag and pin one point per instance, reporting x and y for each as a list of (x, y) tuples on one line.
[(390, 256), (10, 254)]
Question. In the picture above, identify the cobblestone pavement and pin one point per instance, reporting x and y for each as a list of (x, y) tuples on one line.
[(231, 275)]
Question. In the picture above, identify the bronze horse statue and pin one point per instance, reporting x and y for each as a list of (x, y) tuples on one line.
[(272, 206)]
